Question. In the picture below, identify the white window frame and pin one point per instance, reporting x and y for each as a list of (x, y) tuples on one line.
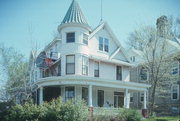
[(85, 64), (177, 91), (74, 37), (85, 40), (68, 73), (104, 44)]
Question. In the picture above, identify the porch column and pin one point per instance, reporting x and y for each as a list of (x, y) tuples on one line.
[(90, 96), (40, 95), (145, 107), (126, 99)]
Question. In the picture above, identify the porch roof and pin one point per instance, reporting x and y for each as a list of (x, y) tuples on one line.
[(83, 80)]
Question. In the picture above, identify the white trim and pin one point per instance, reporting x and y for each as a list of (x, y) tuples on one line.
[(177, 91), (113, 61), (114, 53), (76, 80)]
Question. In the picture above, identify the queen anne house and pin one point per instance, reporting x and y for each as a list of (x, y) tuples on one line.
[(84, 63)]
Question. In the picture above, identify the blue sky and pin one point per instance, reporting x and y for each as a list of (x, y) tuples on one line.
[(19, 19)]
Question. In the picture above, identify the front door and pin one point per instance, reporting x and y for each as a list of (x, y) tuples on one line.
[(118, 99)]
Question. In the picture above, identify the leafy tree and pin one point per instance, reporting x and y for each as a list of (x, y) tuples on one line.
[(14, 72)]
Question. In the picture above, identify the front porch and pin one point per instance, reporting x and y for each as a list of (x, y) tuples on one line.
[(96, 94)]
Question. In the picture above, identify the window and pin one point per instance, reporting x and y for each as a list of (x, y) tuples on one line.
[(85, 63), (59, 68), (118, 99), (100, 98), (175, 92), (131, 97), (174, 71), (142, 97), (96, 69), (35, 75), (69, 93), (85, 94), (70, 64), (70, 37), (118, 73), (85, 39), (143, 74), (106, 45), (103, 44), (133, 59)]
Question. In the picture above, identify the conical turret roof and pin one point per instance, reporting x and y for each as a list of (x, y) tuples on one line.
[(74, 15)]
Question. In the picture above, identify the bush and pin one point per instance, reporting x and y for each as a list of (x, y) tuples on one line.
[(4, 108), (56, 110), (129, 115)]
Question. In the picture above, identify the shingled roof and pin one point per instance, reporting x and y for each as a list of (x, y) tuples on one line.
[(74, 15)]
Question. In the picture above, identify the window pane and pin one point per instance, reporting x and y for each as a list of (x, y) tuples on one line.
[(69, 93), (100, 98), (106, 45), (85, 39), (143, 74), (100, 43), (85, 94), (70, 58), (85, 63), (70, 68), (96, 69), (118, 73), (70, 37)]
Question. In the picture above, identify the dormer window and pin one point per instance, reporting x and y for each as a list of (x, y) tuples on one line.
[(85, 39), (70, 37), (103, 44)]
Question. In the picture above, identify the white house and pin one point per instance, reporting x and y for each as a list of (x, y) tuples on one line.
[(84, 63)]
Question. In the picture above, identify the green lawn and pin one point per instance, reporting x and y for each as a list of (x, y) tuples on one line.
[(167, 119)]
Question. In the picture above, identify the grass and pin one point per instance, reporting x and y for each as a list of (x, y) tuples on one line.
[(177, 118)]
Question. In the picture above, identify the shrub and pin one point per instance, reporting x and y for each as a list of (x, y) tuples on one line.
[(129, 115), (56, 110), (4, 109)]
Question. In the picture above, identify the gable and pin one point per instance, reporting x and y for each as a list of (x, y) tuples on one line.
[(120, 56)]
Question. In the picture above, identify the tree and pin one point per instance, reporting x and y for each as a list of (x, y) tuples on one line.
[(153, 42), (15, 70)]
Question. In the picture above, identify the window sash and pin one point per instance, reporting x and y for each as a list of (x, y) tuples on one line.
[(174, 91), (85, 63), (118, 73), (100, 98), (85, 94), (85, 39), (96, 69), (69, 93), (101, 43), (106, 45), (70, 37), (143, 74), (70, 64)]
